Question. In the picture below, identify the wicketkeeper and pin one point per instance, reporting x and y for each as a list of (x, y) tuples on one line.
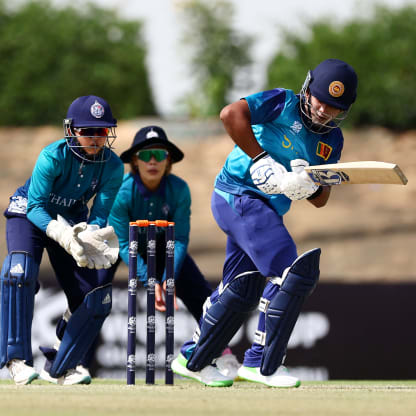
[(277, 133), (50, 212)]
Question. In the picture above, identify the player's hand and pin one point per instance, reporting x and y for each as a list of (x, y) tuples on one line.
[(297, 184), (267, 174), (160, 296), (67, 237), (100, 246)]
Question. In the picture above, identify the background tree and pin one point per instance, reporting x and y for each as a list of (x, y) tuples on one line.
[(50, 56), (218, 54), (381, 49)]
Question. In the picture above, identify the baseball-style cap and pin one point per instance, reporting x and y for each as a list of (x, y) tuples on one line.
[(334, 82), (150, 136), (90, 111)]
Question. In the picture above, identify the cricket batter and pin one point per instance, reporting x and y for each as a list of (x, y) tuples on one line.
[(277, 133), (50, 212)]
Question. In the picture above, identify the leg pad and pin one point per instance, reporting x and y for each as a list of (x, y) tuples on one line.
[(82, 329), (17, 296), (223, 319), (284, 308)]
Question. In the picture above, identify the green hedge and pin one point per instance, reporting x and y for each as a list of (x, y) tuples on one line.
[(50, 56), (382, 49)]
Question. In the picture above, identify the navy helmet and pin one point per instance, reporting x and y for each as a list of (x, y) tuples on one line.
[(90, 111), (333, 82), (90, 116)]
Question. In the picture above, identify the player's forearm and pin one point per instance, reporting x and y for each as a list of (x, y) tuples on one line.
[(38, 216), (236, 120), (321, 198)]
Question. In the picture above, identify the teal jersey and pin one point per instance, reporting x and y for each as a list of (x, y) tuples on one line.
[(62, 183), (171, 201), (278, 127)]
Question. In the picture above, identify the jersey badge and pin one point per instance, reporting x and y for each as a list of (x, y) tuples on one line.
[(94, 184), (323, 150), (166, 210)]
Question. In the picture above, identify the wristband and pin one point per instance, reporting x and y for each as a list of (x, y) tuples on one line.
[(316, 193), (259, 156)]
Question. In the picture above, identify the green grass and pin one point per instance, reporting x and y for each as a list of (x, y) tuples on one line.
[(113, 397)]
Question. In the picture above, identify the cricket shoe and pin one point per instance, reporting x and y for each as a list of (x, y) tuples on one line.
[(210, 375), (78, 375), (44, 375), (280, 378), (228, 364), (20, 372)]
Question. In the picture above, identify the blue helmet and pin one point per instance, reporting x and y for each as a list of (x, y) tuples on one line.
[(332, 82), (90, 111), (90, 116)]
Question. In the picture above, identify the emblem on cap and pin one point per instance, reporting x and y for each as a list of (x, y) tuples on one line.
[(151, 134), (97, 110), (336, 88)]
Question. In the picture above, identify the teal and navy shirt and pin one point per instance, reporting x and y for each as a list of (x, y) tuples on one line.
[(277, 125), (62, 183), (171, 202)]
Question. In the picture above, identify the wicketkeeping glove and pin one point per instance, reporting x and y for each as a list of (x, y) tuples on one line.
[(267, 174), (67, 237), (297, 184), (100, 246)]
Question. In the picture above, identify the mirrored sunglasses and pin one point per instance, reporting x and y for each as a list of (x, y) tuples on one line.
[(93, 131), (158, 154)]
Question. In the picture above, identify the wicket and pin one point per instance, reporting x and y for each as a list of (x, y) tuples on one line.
[(150, 294)]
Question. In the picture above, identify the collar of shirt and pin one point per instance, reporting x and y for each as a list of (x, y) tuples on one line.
[(146, 193)]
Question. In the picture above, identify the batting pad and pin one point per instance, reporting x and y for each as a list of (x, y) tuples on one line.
[(223, 319), (82, 329), (18, 285), (284, 308)]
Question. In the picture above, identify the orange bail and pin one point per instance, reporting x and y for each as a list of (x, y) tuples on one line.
[(161, 223), (142, 223)]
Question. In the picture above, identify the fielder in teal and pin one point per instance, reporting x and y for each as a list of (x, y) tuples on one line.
[(150, 191), (277, 134)]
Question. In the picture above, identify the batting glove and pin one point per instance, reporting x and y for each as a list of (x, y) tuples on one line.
[(267, 174), (297, 184)]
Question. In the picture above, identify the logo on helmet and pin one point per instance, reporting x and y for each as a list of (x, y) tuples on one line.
[(336, 88), (151, 134), (97, 110)]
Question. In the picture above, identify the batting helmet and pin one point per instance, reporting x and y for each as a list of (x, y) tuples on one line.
[(334, 83), (85, 114)]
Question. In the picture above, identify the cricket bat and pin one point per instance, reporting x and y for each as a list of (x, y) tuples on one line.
[(357, 173)]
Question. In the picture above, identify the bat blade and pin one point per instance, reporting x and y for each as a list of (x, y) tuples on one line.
[(365, 172)]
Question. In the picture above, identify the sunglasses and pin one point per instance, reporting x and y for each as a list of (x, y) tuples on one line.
[(158, 154), (93, 131)]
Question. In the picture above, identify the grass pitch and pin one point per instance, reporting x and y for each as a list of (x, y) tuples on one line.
[(115, 398)]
